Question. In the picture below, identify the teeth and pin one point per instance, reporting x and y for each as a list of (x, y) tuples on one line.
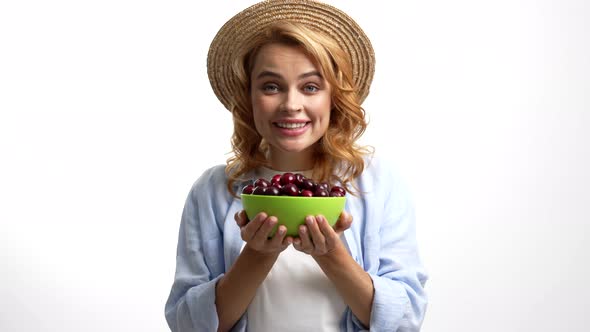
[(291, 125)]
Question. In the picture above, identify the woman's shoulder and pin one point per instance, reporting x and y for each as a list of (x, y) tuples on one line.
[(212, 175), (212, 182)]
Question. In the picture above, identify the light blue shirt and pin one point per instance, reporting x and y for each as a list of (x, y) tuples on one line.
[(382, 240)]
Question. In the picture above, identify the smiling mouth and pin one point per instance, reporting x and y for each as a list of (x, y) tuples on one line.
[(290, 125)]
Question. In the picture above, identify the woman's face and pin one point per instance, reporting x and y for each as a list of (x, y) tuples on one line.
[(291, 102)]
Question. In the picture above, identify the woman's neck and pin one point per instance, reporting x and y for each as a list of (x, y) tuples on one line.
[(289, 161)]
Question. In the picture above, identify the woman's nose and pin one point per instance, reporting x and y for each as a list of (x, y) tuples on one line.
[(293, 102)]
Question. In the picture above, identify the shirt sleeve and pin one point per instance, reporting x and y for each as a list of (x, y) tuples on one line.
[(199, 264), (399, 301)]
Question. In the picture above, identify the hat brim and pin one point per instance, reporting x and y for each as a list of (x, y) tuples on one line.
[(314, 15)]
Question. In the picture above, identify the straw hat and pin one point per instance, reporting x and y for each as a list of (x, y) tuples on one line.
[(313, 14)]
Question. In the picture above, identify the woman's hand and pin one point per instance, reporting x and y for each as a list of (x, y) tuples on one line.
[(256, 233), (318, 238)]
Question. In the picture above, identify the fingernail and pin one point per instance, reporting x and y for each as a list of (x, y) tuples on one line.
[(309, 220)]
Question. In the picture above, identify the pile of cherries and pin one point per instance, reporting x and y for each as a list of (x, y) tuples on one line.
[(289, 184)]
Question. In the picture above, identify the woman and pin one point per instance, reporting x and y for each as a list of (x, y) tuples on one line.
[(293, 74)]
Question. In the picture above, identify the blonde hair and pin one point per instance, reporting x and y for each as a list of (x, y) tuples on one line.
[(337, 157)]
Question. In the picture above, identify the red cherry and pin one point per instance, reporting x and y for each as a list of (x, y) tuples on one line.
[(299, 180), (335, 194), (338, 189), (259, 191), (249, 189), (287, 178), (262, 183), (276, 180), (290, 189), (306, 193), (273, 191), (308, 184), (324, 185), (321, 193)]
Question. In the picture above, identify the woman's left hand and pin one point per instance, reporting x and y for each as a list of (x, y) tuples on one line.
[(318, 238)]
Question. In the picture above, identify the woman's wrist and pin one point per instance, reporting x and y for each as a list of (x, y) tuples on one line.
[(259, 255), (338, 254)]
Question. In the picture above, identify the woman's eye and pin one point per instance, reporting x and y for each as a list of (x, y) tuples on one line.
[(270, 88), (311, 88)]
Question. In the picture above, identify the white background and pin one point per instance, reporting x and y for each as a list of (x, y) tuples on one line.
[(107, 118)]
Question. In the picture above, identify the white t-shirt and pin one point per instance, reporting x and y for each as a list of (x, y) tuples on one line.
[(296, 294)]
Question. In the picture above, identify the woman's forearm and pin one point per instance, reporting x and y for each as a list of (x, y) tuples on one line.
[(352, 282), (236, 289)]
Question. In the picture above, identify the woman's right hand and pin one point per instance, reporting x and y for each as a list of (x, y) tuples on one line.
[(256, 233)]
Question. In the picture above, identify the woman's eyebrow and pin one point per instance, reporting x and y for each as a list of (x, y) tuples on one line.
[(311, 73), (268, 73)]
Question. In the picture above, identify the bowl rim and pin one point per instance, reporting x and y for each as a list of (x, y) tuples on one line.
[(292, 197)]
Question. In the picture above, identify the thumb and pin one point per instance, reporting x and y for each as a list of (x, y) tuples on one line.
[(343, 223), (241, 218)]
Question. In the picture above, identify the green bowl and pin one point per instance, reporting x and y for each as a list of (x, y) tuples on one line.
[(292, 210)]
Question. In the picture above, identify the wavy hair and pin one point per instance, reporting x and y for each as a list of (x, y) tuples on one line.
[(337, 156)]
